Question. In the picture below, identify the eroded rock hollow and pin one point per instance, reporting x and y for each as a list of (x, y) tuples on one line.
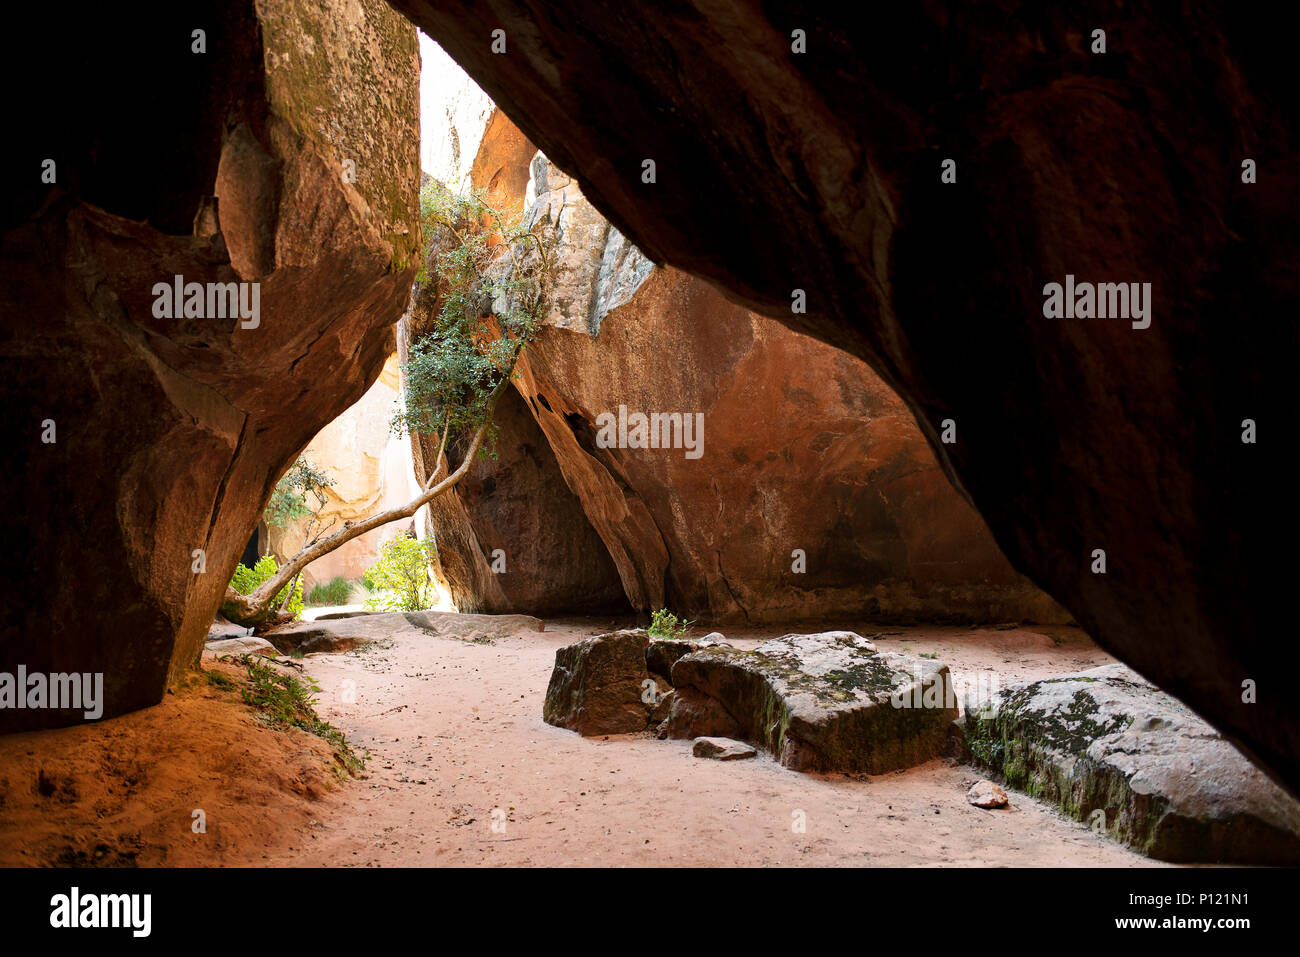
[(276, 152), (821, 171), (800, 487)]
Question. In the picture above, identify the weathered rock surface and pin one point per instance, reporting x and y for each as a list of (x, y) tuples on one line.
[(832, 502), (722, 749), (472, 627), (249, 645), (617, 683), (221, 628), (511, 536), (344, 634), (597, 685), (821, 171), (1105, 742), (824, 702), (171, 432)]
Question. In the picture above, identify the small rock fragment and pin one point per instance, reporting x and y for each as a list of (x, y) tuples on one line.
[(987, 794)]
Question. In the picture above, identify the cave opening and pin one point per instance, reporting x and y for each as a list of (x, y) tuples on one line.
[(835, 604)]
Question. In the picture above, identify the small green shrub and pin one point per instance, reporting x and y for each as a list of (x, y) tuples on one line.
[(400, 581), (287, 702), (246, 579), (664, 624), (335, 592)]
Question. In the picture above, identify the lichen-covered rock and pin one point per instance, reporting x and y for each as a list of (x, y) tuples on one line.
[(598, 685), (1107, 747), (821, 702)]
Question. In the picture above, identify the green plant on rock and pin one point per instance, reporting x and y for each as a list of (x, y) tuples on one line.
[(400, 578), (246, 580), (664, 624)]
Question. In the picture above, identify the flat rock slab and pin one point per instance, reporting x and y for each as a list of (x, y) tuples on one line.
[(240, 646), (1108, 748), (826, 702), (344, 634), (448, 624), (221, 628), (722, 749)]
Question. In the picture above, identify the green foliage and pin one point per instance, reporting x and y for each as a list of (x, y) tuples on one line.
[(287, 702), (492, 273), (246, 579), (664, 624), (335, 592), (400, 578), (289, 500)]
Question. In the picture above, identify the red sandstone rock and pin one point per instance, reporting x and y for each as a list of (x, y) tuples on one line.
[(172, 432)]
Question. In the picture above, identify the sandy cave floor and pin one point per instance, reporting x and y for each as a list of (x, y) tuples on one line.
[(454, 731)]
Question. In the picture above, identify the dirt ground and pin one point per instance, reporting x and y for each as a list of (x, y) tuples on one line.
[(463, 771)]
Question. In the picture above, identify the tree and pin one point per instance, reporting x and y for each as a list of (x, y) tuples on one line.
[(492, 275)]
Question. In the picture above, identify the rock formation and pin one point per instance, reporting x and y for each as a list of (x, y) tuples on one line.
[(1109, 749), (278, 147), (803, 148), (827, 702), (812, 493)]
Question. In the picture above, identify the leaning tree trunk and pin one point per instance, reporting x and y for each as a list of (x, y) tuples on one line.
[(258, 606)]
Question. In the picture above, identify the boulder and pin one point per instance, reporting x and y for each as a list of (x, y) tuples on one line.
[(722, 749), (825, 702), (169, 430), (821, 172), (598, 685), (663, 653), (1108, 748)]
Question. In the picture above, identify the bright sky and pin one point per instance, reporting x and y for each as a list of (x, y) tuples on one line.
[(449, 100)]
